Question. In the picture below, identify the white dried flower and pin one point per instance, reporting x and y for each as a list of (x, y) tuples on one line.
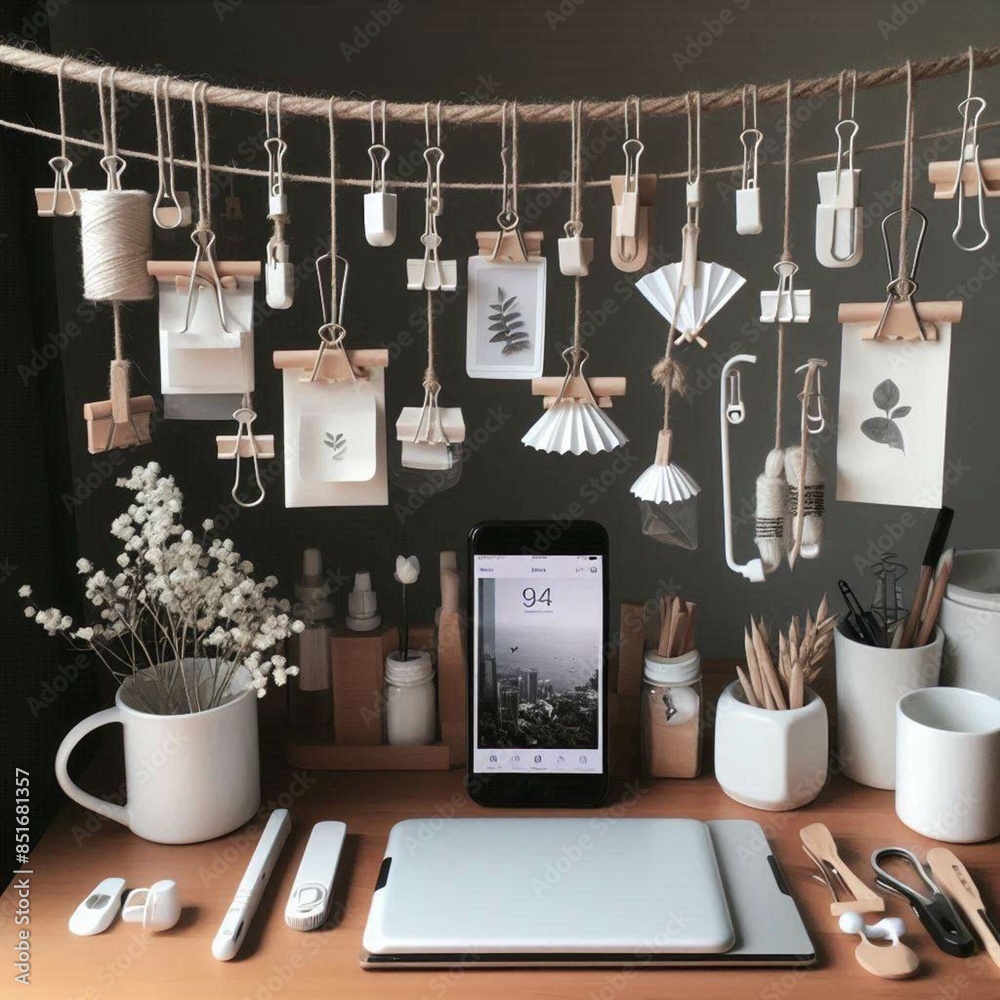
[(407, 569), (24, 590)]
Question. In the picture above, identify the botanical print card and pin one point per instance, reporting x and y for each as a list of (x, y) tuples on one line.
[(893, 418), (506, 319)]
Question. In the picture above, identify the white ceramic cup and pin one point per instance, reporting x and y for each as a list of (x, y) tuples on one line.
[(188, 777), (948, 764), (770, 759), (870, 680)]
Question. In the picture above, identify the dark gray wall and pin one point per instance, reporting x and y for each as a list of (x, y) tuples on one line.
[(524, 50)]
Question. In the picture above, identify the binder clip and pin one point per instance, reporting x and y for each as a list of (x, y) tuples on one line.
[(901, 317), (575, 251), (204, 274), (61, 200), (380, 205), (171, 208), (631, 215), (121, 421), (748, 218), (839, 216), (431, 435), (785, 304), (430, 272), (245, 444), (279, 274)]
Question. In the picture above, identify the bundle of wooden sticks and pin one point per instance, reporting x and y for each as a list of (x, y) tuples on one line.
[(800, 659), (676, 626)]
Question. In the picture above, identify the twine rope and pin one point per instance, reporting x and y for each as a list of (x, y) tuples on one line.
[(331, 123), (202, 161), (906, 196), (786, 255), (62, 107), (109, 116), (164, 131)]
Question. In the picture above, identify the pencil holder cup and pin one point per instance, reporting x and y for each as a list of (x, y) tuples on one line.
[(870, 681), (768, 758)]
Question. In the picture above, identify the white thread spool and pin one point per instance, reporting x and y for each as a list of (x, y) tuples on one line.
[(116, 231), (772, 511)]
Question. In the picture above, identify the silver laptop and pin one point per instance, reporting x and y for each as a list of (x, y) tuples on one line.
[(581, 891)]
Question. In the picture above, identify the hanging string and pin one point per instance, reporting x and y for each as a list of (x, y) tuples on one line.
[(574, 226), (119, 344), (203, 163), (841, 83), (109, 117), (62, 107), (906, 196), (749, 104), (786, 255), (333, 212)]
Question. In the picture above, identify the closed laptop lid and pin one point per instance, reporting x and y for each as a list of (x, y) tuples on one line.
[(549, 886)]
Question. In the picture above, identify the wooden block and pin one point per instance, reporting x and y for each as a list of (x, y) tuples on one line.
[(333, 757), (452, 684), (631, 644), (358, 662)]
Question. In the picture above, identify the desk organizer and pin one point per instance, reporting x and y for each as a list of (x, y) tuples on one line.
[(358, 662)]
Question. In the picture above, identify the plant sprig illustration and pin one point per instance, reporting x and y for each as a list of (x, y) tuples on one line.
[(337, 443), (885, 430), (507, 326)]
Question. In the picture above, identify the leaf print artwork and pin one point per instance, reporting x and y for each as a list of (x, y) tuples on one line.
[(337, 443), (507, 326), (885, 430)]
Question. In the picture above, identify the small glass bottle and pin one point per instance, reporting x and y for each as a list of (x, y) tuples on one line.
[(670, 722), (410, 700), (311, 690)]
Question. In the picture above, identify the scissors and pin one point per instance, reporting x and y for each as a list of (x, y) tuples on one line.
[(935, 911)]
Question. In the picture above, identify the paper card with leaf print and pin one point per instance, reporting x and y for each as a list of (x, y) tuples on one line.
[(506, 319), (893, 418)]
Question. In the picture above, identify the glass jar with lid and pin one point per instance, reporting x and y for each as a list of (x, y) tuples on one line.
[(670, 722)]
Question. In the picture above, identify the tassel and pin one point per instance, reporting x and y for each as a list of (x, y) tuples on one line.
[(772, 511), (813, 493)]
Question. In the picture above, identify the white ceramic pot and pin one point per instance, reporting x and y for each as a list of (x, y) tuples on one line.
[(769, 759), (971, 647), (870, 680), (188, 777), (410, 700), (948, 764)]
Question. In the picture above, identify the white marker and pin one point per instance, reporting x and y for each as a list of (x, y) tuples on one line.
[(234, 926)]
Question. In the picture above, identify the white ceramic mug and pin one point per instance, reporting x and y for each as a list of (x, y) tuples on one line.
[(188, 777), (948, 764), (770, 759), (870, 680)]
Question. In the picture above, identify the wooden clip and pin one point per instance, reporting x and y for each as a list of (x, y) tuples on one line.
[(336, 363), (631, 222), (234, 269), (510, 246), (941, 173), (262, 444), (898, 322), (601, 388), (121, 421)]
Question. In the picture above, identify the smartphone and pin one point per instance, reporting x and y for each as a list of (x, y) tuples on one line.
[(538, 690)]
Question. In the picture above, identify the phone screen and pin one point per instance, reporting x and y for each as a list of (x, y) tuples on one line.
[(537, 665)]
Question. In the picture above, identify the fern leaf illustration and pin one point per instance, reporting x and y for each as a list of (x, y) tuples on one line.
[(506, 325)]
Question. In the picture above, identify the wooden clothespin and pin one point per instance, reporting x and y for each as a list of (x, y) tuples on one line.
[(335, 365)]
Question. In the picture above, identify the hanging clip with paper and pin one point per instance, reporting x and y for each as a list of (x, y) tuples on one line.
[(969, 176), (431, 435), (171, 208), (748, 218), (279, 272), (380, 204), (786, 304), (633, 194), (839, 215)]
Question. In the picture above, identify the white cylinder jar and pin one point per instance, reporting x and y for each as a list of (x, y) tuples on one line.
[(410, 700)]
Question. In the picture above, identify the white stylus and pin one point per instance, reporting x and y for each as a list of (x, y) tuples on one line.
[(234, 926)]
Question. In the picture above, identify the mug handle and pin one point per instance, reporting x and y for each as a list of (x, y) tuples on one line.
[(107, 809)]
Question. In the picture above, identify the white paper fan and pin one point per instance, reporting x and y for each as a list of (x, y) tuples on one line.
[(714, 286), (665, 484), (574, 425)]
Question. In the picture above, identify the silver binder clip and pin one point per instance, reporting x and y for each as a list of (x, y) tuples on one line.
[(971, 110), (786, 304), (245, 444), (114, 167), (839, 216), (430, 272), (748, 219), (332, 332), (380, 205), (204, 241), (627, 219), (277, 200), (171, 208), (903, 324), (60, 200)]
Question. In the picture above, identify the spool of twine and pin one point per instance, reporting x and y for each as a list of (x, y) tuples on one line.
[(772, 511), (116, 231)]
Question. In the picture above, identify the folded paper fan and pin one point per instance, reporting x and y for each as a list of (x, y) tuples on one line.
[(665, 484), (574, 425), (714, 286)]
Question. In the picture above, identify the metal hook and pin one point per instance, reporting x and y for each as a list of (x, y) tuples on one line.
[(114, 167), (378, 153), (846, 131), (816, 421), (628, 244), (332, 331), (276, 148), (970, 156), (750, 138), (61, 166), (204, 241), (736, 411)]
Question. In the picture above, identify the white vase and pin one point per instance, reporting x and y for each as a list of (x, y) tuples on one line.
[(189, 777), (770, 759), (410, 700)]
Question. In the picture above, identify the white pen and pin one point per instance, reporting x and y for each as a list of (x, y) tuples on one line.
[(234, 926)]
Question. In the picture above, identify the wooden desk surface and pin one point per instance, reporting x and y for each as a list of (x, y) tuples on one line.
[(275, 961)]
